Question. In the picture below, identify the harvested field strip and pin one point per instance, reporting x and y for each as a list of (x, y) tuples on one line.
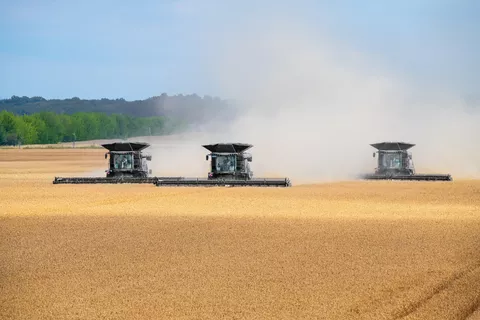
[(33, 155), (475, 314), (454, 297)]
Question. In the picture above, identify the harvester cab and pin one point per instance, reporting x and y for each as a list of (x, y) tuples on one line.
[(395, 162), (229, 161), (127, 160), (393, 158), (229, 167)]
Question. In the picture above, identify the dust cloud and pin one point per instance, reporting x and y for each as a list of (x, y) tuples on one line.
[(311, 106)]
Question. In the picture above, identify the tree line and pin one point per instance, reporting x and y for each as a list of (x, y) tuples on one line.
[(49, 127)]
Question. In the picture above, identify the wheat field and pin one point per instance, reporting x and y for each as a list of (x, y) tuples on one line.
[(346, 250)]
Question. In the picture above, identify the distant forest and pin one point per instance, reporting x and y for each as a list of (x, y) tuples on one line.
[(37, 120), (48, 127)]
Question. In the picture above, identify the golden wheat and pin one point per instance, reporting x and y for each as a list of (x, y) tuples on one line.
[(350, 250)]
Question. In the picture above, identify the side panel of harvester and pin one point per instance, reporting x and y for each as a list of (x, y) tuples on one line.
[(396, 163)]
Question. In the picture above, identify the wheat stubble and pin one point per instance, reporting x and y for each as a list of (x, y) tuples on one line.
[(335, 251)]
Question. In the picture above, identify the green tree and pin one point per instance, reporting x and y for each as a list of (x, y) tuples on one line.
[(7, 121), (54, 128), (25, 131), (40, 127), (3, 136), (7, 128)]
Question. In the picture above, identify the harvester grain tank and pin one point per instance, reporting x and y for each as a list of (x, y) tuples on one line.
[(229, 166), (127, 164), (395, 162)]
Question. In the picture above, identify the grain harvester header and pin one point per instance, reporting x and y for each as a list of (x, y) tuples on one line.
[(395, 162), (229, 165), (126, 164)]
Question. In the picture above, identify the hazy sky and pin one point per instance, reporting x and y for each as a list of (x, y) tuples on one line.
[(134, 50)]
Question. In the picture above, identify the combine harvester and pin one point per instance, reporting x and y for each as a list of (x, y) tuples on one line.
[(127, 164), (395, 163), (229, 167)]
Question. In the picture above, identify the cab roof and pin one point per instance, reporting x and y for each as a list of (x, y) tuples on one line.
[(227, 147), (126, 146), (392, 145)]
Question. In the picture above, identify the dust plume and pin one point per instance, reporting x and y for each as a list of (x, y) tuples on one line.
[(314, 106), (311, 106), (177, 154)]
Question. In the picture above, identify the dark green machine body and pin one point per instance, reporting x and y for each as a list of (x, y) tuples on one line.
[(229, 166), (127, 160), (126, 164), (229, 161), (396, 163)]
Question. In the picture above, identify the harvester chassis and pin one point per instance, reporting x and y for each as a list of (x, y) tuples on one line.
[(396, 163), (229, 167)]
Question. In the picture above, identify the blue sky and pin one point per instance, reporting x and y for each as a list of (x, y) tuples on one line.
[(134, 50)]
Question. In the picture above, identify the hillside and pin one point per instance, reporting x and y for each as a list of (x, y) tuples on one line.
[(36, 120), (190, 108)]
